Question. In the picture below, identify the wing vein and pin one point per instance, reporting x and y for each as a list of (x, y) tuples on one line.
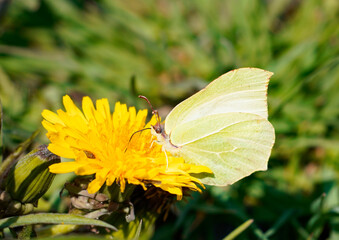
[(214, 132), (217, 131)]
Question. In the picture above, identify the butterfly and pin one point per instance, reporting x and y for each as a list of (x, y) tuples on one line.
[(224, 127)]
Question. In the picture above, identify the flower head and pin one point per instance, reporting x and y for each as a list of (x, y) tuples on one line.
[(100, 143)]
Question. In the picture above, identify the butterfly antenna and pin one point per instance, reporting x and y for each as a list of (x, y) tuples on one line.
[(133, 135), (154, 112)]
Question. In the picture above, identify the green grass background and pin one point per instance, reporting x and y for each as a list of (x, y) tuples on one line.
[(167, 50)]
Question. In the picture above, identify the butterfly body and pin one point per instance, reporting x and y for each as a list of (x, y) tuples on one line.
[(163, 139)]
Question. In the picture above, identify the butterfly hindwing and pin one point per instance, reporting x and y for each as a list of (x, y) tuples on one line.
[(232, 145)]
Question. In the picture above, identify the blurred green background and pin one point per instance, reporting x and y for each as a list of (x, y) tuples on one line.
[(167, 50)]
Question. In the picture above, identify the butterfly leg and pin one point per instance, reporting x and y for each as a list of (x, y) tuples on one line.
[(152, 141), (163, 149)]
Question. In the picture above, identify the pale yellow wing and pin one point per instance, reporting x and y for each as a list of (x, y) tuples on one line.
[(232, 145), (240, 90)]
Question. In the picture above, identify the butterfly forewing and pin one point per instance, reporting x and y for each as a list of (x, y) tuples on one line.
[(240, 90)]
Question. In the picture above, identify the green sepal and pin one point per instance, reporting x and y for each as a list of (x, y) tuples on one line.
[(30, 178)]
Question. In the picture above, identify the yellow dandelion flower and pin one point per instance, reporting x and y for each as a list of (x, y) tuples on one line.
[(97, 139)]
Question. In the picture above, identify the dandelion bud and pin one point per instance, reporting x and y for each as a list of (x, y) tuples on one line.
[(30, 178)]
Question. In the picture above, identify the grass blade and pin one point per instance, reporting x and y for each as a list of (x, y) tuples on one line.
[(279, 223), (239, 230)]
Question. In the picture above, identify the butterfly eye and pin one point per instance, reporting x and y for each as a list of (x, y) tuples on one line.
[(158, 129)]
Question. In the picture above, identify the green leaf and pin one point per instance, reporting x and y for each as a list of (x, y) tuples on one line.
[(1, 133), (51, 218), (74, 237)]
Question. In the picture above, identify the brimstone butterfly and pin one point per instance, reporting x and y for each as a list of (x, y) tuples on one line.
[(223, 127)]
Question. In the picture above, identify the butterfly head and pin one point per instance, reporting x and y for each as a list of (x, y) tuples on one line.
[(158, 127)]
